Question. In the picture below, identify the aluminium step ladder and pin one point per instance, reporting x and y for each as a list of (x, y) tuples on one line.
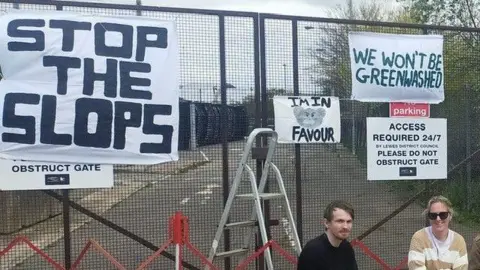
[(258, 196)]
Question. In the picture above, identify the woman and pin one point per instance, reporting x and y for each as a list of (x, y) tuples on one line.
[(436, 246)]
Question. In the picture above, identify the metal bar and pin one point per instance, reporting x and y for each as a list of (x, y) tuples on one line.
[(368, 23), (298, 245), (224, 131), (135, 7), (298, 162), (67, 237), (427, 182), (139, 10), (249, 14), (260, 263), (468, 147), (261, 220), (117, 228), (257, 33)]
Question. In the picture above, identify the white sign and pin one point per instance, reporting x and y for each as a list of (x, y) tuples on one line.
[(88, 88), (397, 68), (305, 119), (406, 148), (20, 175)]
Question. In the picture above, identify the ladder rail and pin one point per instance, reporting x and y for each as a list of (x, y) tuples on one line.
[(261, 220), (226, 213), (248, 237), (263, 180), (291, 220)]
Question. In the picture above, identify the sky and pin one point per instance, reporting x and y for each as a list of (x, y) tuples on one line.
[(199, 43)]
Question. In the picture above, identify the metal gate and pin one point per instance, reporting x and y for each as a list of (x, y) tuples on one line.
[(232, 64)]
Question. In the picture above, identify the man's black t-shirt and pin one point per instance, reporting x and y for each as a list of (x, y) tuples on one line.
[(319, 254)]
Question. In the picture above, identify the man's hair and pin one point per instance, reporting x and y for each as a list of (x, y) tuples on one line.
[(338, 204)]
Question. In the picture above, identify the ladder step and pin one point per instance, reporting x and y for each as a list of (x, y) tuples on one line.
[(263, 196), (231, 253), (240, 224)]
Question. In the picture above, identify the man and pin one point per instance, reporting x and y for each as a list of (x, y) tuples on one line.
[(331, 250), (474, 263)]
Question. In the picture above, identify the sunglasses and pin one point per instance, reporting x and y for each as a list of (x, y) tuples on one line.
[(442, 215)]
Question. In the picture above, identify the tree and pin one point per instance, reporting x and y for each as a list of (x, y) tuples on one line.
[(462, 87), (331, 68), (465, 13)]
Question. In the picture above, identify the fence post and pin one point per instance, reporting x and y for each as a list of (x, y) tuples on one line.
[(67, 239), (298, 162), (223, 121), (354, 137), (193, 127), (468, 147)]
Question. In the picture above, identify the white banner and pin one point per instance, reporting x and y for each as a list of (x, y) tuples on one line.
[(88, 88), (305, 119), (21, 175), (396, 68), (406, 148)]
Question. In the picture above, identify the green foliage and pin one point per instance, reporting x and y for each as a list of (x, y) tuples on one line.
[(331, 68), (449, 12)]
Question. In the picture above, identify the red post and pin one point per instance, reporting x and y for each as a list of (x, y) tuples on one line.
[(179, 236)]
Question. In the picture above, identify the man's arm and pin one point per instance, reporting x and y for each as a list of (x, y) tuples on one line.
[(474, 263)]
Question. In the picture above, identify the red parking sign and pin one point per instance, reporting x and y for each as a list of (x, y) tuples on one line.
[(400, 109)]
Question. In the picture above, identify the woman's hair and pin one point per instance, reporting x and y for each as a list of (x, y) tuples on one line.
[(439, 199)]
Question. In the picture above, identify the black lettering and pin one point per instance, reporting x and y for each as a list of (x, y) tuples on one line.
[(295, 132), (109, 77), (47, 127), (11, 120), (149, 127), (324, 102), (161, 40), (127, 81), (68, 29), (293, 100), (103, 109), (63, 63), (14, 31), (134, 110), (101, 48), (304, 101)]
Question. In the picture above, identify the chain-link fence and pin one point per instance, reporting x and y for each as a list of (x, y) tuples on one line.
[(232, 64)]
